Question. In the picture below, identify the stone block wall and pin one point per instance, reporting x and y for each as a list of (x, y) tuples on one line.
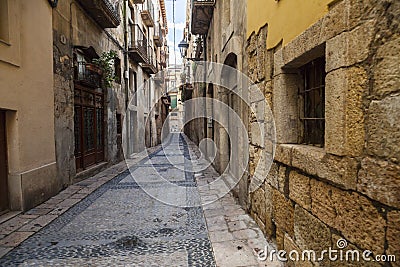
[(350, 188)]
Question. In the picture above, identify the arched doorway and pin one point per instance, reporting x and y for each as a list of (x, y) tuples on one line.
[(226, 95)]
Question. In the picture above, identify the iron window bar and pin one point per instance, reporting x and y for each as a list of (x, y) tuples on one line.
[(88, 74), (313, 95), (138, 39)]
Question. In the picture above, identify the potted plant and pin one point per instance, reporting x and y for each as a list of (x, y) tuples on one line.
[(106, 64)]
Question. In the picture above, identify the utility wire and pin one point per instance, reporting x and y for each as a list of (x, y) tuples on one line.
[(173, 22)]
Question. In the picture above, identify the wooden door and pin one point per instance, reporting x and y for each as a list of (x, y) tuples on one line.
[(89, 127), (4, 205)]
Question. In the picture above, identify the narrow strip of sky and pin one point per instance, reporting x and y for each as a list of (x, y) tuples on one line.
[(180, 17)]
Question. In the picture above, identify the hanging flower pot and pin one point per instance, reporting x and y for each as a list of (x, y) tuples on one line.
[(93, 68)]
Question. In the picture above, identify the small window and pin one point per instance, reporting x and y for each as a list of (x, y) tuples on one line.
[(4, 21), (119, 123), (313, 98), (133, 86), (117, 70)]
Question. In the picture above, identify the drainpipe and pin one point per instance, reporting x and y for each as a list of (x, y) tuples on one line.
[(205, 85), (126, 77)]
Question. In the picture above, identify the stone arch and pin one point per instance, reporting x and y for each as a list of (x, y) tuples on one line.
[(226, 96)]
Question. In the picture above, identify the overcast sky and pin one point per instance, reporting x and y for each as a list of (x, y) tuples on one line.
[(180, 15)]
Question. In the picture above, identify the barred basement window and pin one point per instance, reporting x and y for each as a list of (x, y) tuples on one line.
[(313, 98)]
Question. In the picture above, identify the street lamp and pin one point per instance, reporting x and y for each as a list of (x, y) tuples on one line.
[(183, 47)]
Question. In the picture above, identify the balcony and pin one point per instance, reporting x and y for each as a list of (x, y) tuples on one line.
[(138, 45), (87, 74), (158, 36), (159, 78), (202, 12), (163, 59), (147, 13), (133, 2), (103, 12), (150, 66)]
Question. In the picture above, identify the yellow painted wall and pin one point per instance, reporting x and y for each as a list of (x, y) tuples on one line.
[(27, 95), (26, 84), (286, 19)]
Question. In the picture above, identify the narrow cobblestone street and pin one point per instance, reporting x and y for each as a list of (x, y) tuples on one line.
[(200, 133), (120, 224)]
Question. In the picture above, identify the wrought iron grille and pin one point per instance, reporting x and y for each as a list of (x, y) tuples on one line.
[(203, 1), (150, 8), (313, 97), (138, 39), (151, 57), (158, 32), (88, 74), (163, 59)]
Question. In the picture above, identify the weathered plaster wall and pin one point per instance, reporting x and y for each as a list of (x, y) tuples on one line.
[(225, 41), (26, 89), (72, 27)]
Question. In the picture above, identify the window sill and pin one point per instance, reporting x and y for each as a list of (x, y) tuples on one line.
[(3, 42), (316, 161)]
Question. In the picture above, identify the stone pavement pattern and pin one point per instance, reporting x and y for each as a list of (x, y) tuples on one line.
[(114, 221), (235, 237)]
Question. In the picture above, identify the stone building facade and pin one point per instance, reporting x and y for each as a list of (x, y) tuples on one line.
[(216, 32), (28, 170), (339, 179), (330, 74), (59, 120), (94, 127)]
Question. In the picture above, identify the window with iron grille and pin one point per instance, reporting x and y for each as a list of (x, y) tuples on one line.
[(313, 102)]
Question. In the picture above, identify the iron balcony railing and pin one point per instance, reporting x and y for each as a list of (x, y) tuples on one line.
[(147, 13), (158, 35), (150, 65), (87, 74), (104, 12), (203, 2), (163, 58), (150, 8), (138, 42), (202, 12), (136, 2), (151, 57)]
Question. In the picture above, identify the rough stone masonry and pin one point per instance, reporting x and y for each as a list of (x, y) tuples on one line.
[(349, 188)]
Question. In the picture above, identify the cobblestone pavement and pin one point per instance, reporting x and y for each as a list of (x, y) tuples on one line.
[(119, 220)]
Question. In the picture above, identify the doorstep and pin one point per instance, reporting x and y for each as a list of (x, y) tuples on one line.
[(92, 170)]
